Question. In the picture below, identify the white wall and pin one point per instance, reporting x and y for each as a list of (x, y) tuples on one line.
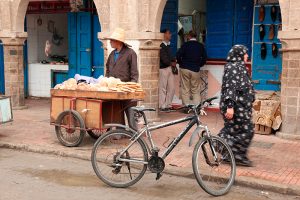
[(37, 35)]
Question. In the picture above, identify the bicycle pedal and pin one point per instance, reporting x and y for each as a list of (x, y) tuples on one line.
[(158, 176)]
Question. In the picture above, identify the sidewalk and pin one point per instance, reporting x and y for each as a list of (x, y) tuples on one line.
[(277, 161)]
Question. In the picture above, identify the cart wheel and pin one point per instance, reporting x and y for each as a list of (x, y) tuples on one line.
[(95, 134), (70, 128)]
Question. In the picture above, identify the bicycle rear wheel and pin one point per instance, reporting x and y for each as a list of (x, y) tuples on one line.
[(112, 171), (214, 174)]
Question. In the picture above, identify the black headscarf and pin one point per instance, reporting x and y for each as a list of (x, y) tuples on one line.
[(236, 54)]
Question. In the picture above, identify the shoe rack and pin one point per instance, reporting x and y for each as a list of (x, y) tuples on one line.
[(266, 59)]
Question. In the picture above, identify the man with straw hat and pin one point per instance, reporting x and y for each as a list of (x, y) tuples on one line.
[(122, 64)]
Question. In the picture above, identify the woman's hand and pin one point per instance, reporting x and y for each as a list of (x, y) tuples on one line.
[(229, 113)]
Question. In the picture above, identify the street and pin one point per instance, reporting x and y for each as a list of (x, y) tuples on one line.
[(30, 176)]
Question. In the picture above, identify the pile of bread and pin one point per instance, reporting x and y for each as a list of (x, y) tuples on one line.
[(105, 84)]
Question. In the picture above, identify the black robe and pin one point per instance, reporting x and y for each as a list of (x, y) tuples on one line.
[(237, 93)]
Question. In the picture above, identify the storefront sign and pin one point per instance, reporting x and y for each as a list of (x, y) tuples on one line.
[(48, 7), (261, 2)]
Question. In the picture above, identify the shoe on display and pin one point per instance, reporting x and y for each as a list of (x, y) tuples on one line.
[(272, 32), (262, 13), (274, 50), (262, 31), (263, 51), (274, 13)]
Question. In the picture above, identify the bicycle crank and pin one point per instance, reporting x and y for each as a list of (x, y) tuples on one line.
[(156, 164)]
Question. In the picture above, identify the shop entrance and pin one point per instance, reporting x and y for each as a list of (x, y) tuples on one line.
[(61, 44), (220, 24)]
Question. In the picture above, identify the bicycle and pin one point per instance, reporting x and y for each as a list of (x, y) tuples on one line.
[(124, 155)]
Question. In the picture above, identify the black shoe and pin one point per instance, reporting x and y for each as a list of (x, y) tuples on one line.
[(263, 51), (167, 110), (244, 163), (273, 13), (262, 31), (274, 50)]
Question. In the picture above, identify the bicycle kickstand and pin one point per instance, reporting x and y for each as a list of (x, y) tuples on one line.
[(158, 176)]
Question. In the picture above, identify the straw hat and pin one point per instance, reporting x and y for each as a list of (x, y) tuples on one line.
[(119, 35)]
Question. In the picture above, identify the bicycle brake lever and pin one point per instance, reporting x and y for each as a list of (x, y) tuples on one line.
[(202, 112)]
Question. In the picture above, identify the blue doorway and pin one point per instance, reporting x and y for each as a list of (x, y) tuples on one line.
[(170, 21), (2, 80), (80, 43)]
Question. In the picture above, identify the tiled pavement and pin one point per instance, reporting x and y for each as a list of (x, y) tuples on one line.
[(275, 159)]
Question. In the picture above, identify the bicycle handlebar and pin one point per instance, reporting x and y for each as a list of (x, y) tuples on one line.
[(199, 106)]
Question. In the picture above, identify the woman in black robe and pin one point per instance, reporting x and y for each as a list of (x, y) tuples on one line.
[(236, 104)]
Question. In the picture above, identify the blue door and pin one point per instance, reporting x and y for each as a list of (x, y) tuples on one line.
[(170, 20), (266, 72), (84, 43), (220, 15), (25, 63), (229, 22), (2, 81), (80, 43), (243, 23), (72, 43), (98, 52)]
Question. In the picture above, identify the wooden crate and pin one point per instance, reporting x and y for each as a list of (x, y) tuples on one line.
[(95, 113), (263, 130)]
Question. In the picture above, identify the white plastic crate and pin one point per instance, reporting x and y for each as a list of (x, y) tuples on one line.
[(5, 110)]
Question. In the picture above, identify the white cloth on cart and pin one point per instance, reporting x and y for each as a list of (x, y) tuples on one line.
[(88, 79)]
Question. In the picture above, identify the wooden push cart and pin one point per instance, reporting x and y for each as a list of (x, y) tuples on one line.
[(74, 112)]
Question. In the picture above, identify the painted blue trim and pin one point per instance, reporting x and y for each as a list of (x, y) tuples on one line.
[(270, 68), (170, 21), (97, 50), (229, 22), (72, 44), (84, 43), (2, 79), (25, 62)]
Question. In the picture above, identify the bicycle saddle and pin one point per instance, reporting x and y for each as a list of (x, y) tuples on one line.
[(142, 109)]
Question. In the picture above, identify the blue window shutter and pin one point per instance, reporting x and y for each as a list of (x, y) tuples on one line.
[(219, 18), (98, 52), (169, 21), (25, 60), (2, 82), (84, 43), (72, 41), (243, 23)]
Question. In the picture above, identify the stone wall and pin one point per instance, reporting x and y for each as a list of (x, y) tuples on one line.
[(290, 80)]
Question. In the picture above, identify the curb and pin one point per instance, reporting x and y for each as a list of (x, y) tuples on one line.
[(254, 183)]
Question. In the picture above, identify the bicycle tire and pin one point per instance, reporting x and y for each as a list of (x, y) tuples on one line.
[(140, 141), (196, 170), (58, 128)]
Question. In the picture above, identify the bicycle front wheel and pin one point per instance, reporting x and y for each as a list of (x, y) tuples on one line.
[(214, 165), (113, 171)]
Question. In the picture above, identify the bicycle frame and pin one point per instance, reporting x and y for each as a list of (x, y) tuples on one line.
[(192, 121)]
